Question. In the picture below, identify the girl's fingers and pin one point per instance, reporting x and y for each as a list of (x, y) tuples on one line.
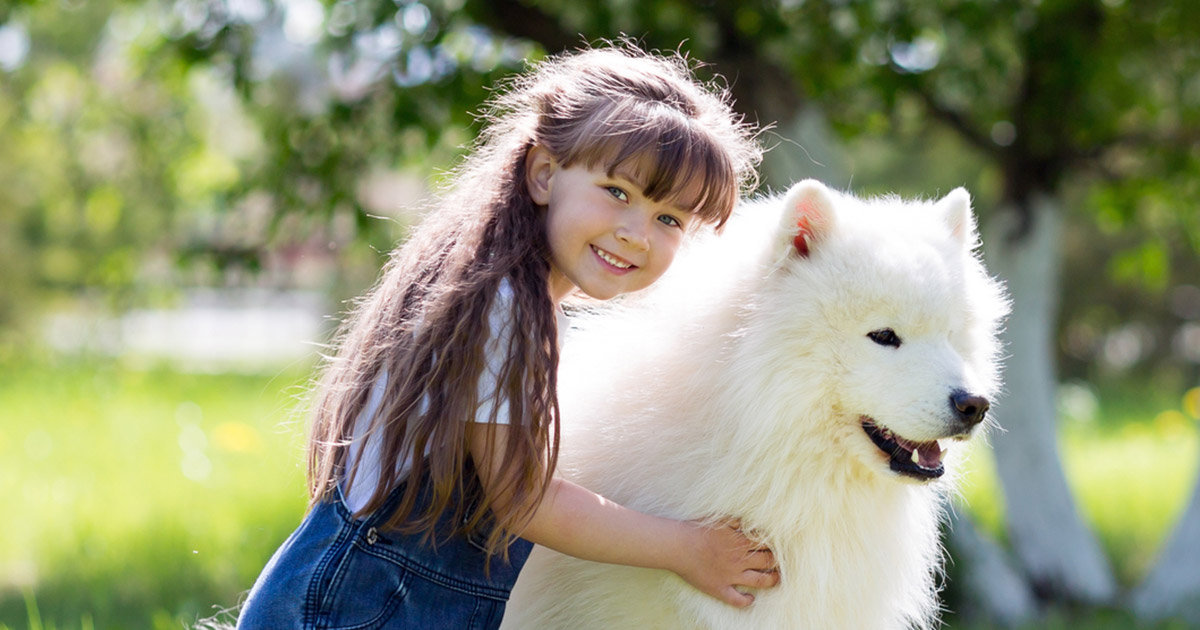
[(759, 579), (736, 598), (750, 539), (762, 560)]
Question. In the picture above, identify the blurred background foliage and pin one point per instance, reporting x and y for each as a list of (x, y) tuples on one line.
[(150, 146), (152, 149)]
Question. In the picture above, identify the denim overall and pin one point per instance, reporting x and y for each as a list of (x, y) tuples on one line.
[(336, 572)]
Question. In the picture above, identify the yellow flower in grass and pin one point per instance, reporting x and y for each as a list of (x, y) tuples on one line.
[(1191, 402), (1171, 423), (236, 437)]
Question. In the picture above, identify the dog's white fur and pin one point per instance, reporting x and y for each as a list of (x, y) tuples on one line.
[(736, 386)]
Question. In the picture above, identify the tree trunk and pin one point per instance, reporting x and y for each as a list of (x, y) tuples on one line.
[(990, 586), (1173, 586), (1056, 549)]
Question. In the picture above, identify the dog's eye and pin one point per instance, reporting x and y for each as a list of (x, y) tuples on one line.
[(885, 337)]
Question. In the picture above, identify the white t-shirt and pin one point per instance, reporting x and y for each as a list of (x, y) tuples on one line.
[(499, 332)]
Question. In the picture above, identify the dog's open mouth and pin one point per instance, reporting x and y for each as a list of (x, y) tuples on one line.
[(919, 460)]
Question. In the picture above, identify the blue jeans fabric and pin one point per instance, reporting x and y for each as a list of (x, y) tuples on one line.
[(336, 572)]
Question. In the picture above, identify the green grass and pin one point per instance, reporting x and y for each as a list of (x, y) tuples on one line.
[(1131, 476), (142, 498), (137, 499)]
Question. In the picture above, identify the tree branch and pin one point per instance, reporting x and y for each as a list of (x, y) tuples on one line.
[(1176, 139), (518, 19), (757, 79), (955, 119)]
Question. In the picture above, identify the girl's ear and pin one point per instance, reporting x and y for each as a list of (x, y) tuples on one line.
[(539, 172), (807, 217)]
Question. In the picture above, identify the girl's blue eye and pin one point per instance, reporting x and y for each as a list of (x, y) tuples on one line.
[(670, 220), (618, 193)]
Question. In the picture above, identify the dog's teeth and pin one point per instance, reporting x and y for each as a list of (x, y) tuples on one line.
[(916, 457)]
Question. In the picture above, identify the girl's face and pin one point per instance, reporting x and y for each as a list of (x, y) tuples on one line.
[(606, 237)]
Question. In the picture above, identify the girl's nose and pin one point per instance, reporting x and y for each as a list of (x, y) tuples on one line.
[(635, 235)]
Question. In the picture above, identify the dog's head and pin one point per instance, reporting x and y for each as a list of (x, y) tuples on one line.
[(905, 315)]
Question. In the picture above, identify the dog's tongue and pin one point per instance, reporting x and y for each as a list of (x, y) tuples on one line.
[(929, 454)]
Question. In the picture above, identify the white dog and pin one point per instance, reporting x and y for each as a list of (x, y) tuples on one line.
[(811, 372)]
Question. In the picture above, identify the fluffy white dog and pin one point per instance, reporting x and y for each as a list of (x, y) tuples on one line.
[(811, 372)]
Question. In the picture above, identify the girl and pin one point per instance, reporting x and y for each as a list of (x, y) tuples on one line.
[(435, 430)]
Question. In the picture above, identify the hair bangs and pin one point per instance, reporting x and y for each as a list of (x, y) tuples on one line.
[(671, 157)]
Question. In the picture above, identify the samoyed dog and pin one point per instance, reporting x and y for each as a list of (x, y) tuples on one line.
[(813, 372)]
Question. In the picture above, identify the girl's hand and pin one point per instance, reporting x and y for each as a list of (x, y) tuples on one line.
[(578, 522), (722, 558)]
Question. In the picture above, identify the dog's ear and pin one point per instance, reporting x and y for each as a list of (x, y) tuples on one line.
[(808, 216), (955, 209)]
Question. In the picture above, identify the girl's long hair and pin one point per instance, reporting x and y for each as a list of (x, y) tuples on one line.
[(426, 320)]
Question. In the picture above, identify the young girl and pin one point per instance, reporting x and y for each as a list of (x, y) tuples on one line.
[(435, 430)]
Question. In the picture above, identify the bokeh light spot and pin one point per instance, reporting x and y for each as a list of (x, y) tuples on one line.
[(236, 437), (1191, 402)]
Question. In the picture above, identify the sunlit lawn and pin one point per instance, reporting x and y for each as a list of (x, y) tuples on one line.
[(135, 498), (141, 498), (1131, 471)]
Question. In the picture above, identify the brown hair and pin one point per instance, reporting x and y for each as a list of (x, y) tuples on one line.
[(615, 105)]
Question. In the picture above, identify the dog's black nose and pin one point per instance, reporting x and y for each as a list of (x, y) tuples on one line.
[(969, 408)]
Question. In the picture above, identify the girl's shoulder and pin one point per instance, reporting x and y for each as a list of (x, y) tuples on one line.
[(502, 314)]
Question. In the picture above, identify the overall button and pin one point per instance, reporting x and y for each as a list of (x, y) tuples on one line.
[(372, 536)]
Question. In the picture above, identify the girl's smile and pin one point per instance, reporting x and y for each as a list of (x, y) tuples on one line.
[(619, 266)]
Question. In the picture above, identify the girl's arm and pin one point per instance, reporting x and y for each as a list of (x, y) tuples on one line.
[(578, 522)]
